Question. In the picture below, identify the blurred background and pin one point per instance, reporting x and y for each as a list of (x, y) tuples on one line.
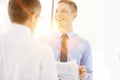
[(98, 21)]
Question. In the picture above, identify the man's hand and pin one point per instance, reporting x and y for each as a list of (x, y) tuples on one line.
[(82, 72)]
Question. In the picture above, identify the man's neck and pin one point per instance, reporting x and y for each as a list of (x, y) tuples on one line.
[(66, 29), (30, 27)]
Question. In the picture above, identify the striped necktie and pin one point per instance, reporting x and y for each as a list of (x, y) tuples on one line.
[(63, 53)]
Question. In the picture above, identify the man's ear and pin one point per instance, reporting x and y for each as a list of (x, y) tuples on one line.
[(32, 17), (74, 15)]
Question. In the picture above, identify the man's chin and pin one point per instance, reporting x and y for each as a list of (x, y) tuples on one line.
[(60, 24)]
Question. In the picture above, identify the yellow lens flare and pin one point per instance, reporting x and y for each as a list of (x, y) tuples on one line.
[(42, 29)]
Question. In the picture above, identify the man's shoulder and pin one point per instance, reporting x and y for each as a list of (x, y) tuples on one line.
[(81, 40), (47, 39), (42, 45), (43, 49)]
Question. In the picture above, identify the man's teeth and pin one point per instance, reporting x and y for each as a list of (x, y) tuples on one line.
[(59, 19)]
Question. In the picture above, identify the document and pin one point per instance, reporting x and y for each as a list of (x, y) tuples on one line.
[(68, 70)]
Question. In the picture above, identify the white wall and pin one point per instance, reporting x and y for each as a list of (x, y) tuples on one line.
[(112, 36), (4, 19)]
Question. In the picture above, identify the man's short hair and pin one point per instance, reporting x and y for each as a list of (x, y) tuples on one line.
[(71, 3), (20, 10)]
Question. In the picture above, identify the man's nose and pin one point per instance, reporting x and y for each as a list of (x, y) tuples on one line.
[(58, 14)]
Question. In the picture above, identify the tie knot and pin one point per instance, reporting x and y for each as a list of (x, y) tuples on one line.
[(64, 36)]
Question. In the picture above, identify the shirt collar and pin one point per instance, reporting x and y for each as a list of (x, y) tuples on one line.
[(70, 34), (20, 29)]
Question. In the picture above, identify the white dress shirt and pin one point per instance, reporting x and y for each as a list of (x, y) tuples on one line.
[(23, 58)]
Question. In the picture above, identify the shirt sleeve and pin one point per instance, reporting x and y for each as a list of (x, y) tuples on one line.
[(87, 62)]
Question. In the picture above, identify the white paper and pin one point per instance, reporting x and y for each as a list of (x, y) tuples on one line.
[(68, 70)]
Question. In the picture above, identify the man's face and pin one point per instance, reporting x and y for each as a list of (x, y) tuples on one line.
[(64, 14)]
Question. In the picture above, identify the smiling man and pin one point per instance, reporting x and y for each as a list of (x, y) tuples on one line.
[(66, 44)]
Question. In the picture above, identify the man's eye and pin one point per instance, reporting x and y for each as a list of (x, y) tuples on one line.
[(63, 11)]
